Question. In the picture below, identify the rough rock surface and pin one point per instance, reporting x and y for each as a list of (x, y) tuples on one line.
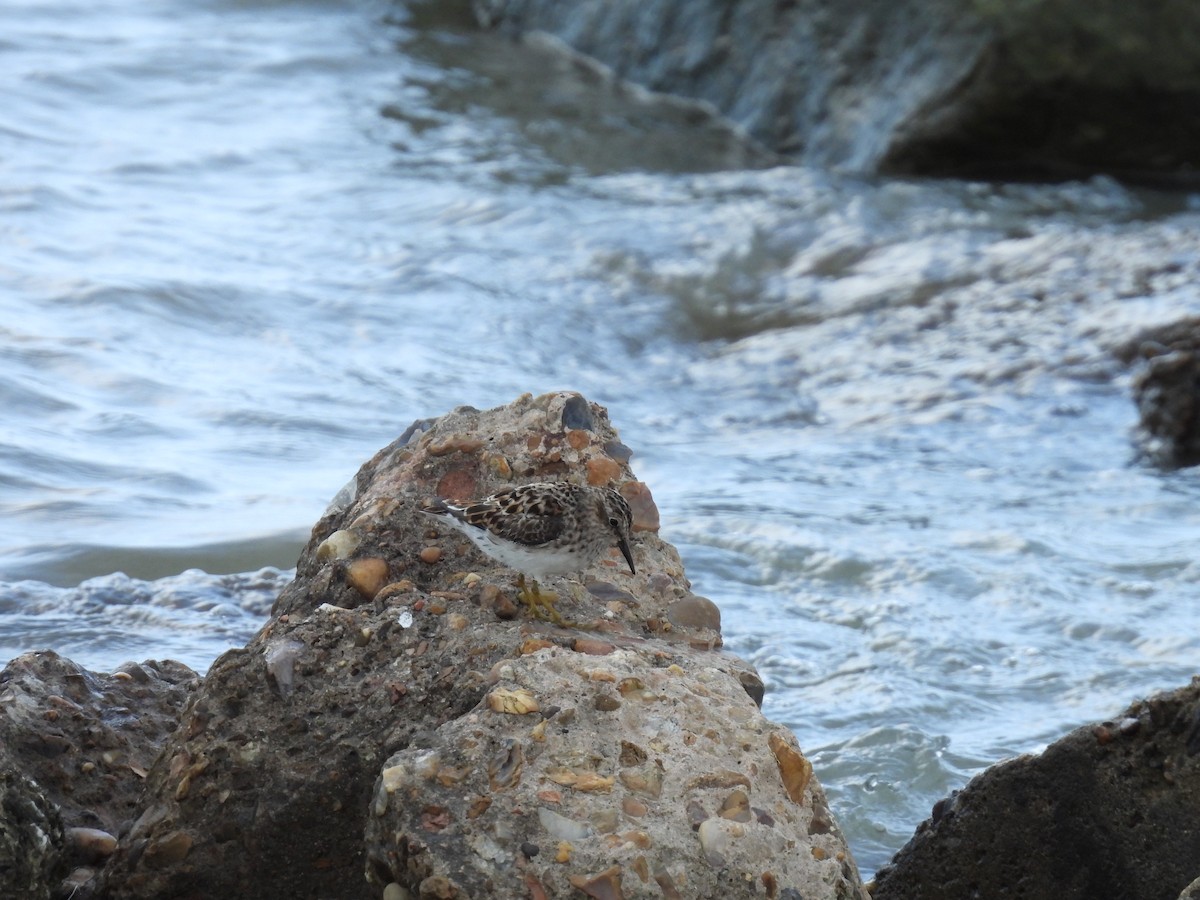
[(1166, 388), (1111, 810), (1048, 87), (32, 857), (85, 741), (402, 720)]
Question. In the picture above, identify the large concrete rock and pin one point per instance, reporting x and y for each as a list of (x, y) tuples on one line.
[(82, 742), (1111, 810), (401, 719), (1048, 87)]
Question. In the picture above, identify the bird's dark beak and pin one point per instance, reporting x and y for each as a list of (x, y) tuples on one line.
[(627, 553)]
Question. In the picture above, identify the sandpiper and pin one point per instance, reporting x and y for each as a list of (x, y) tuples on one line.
[(540, 529)]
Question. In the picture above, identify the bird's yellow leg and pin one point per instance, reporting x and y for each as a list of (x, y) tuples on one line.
[(541, 604)]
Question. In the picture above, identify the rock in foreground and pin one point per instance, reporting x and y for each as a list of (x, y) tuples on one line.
[(1111, 810), (401, 719), (75, 747)]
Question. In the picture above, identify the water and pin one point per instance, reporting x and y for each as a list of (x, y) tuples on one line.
[(243, 245)]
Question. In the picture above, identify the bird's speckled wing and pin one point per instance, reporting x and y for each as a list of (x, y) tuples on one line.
[(522, 514)]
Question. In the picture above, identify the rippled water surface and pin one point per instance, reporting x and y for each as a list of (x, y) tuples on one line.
[(243, 245)]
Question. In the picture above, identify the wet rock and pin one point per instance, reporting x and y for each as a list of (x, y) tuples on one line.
[(1166, 388), (928, 86), (90, 844), (1086, 818), (32, 858), (481, 752), (605, 778), (88, 738)]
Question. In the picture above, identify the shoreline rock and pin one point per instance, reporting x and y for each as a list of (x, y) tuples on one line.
[(930, 87), (76, 746), (400, 719), (402, 728), (1110, 810), (1166, 389)]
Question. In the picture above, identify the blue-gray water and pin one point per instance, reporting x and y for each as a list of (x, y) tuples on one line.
[(243, 245)]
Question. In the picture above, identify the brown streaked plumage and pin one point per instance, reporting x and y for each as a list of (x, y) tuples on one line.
[(545, 528)]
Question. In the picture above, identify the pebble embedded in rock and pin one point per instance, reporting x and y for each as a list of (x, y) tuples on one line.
[(618, 451), (602, 470), (606, 703), (736, 807), (500, 466), (577, 414), (605, 886), (562, 828), (91, 844), (631, 754), (645, 780), (694, 611), (592, 646), (430, 555), (515, 703), (505, 766), (368, 576), (388, 591), (642, 505), (339, 545), (454, 444), (794, 769), (716, 837), (755, 689), (280, 657)]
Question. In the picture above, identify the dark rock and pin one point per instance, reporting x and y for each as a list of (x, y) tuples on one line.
[(1166, 388), (925, 86), (75, 747), (88, 738), (577, 414), (32, 858), (1107, 811)]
